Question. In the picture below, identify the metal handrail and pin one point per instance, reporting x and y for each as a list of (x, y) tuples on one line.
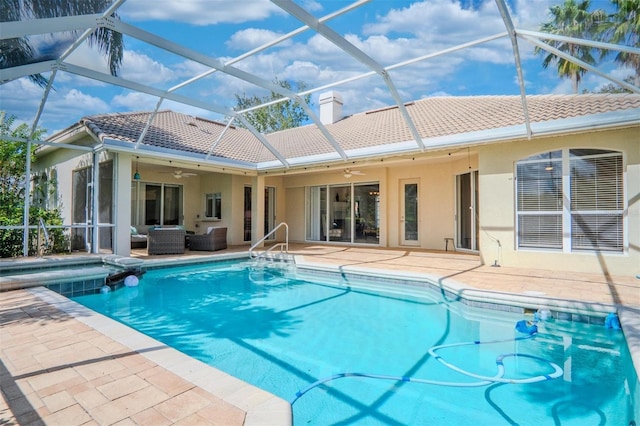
[(285, 244), (42, 229)]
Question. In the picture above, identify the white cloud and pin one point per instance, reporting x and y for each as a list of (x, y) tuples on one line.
[(134, 101), (88, 57), (440, 22), (62, 104), (20, 98), (563, 87), (143, 69), (529, 15), (78, 101), (251, 38), (199, 12), (312, 5)]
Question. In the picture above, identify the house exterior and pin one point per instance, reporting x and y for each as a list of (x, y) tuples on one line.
[(550, 183)]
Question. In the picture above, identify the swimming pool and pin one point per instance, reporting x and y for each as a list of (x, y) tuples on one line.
[(285, 333)]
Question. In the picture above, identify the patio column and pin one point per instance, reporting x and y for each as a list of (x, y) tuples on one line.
[(27, 198), (257, 209), (123, 206), (95, 215)]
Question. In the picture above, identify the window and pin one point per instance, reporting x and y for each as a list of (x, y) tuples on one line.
[(539, 187), (596, 200), (578, 210), (213, 206)]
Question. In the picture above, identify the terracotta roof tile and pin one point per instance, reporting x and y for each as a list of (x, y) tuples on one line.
[(433, 117)]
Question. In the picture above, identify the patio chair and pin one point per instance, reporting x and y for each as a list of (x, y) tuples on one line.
[(138, 240), (166, 241), (214, 239)]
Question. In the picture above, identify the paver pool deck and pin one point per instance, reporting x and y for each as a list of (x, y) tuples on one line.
[(61, 364)]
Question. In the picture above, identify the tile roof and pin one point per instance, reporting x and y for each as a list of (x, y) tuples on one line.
[(433, 117), (177, 131)]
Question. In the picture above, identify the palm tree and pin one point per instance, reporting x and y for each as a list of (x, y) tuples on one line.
[(571, 19), (19, 51), (623, 26)]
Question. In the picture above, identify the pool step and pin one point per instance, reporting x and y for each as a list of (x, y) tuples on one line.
[(50, 277), (69, 276), (275, 257)]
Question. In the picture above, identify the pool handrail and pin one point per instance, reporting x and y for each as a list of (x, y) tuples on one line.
[(284, 245)]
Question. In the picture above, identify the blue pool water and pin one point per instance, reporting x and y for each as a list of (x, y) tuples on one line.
[(282, 331)]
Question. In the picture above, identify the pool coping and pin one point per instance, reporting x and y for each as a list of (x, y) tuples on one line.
[(261, 407), (469, 294)]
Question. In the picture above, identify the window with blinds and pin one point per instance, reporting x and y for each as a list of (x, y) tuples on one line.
[(539, 201), (595, 201)]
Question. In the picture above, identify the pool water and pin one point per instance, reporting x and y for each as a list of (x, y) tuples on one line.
[(282, 332)]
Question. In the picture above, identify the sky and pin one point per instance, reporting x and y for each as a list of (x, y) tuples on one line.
[(389, 31)]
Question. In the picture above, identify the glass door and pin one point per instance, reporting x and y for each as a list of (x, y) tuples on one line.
[(467, 207), (82, 212), (340, 213), (161, 204), (409, 232)]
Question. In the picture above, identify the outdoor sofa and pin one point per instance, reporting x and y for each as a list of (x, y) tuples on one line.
[(214, 239), (166, 241)]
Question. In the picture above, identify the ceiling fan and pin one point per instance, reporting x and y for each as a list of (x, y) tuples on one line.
[(347, 173), (179, 174)]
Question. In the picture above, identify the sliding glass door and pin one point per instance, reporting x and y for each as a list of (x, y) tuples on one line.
[(344, 213), (156, 204)]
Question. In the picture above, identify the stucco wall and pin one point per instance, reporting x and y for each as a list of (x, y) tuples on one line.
[(497, 205), (436, 198), (295, 213)]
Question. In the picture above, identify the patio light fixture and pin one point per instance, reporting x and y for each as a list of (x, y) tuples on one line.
[(549, 167), (136, 175)]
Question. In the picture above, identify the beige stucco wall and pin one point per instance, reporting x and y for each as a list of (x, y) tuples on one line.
[(497, 205), (295, 212), (436, 201)]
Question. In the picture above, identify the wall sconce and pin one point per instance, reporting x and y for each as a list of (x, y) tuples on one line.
[(136, 175)]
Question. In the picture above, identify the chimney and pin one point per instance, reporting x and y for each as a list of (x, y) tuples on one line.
[(330, 107)]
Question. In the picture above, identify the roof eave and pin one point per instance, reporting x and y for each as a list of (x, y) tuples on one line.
[(116, 145)]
